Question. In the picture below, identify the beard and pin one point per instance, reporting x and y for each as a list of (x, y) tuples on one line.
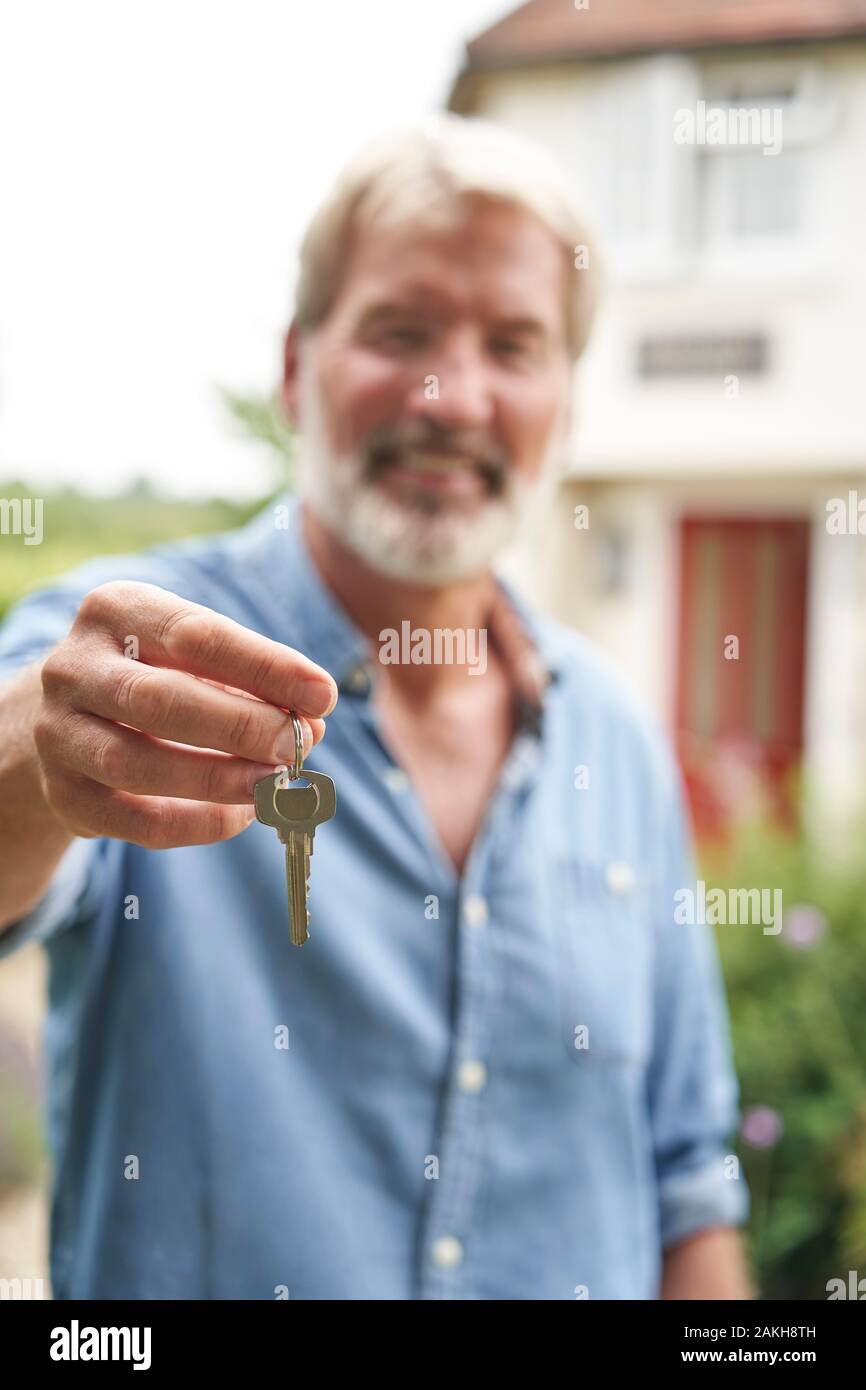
[(416, 534)]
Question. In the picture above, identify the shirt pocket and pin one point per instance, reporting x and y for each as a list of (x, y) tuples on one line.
[(604, 963)]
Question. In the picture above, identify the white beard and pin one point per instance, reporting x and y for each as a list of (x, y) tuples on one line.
[(400, 539)]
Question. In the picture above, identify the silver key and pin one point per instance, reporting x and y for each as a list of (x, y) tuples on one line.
[(294, 812)]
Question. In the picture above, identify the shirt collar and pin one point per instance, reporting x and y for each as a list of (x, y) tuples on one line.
[(314, 621)]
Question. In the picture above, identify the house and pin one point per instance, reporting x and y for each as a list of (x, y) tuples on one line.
[(709, 531)]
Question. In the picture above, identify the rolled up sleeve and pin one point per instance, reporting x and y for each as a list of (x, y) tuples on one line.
[(64, 902), (693, 1088)]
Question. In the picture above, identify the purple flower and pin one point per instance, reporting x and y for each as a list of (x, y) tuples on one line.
[(803, 926), (761, 1127)]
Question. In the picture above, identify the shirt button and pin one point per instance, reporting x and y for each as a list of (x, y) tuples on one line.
[(396, 780), (475, 910), (620, 877), (447, 1252), (359, 681), (472, 1076)]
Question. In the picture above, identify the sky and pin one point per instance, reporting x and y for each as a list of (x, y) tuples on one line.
[(158, 164)]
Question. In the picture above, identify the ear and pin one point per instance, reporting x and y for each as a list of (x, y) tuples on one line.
[(291, 369)]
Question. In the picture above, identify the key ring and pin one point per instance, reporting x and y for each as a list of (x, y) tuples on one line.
[(283, 773), (299, 749)]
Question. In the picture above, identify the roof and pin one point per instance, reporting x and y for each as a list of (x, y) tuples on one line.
[(553, 30)]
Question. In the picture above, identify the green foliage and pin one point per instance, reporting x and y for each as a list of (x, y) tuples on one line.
[(262, 418), (20, 1134), (78, 527), (799, 1027)]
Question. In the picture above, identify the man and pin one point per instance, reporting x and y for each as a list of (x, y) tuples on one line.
[(498, 1069)]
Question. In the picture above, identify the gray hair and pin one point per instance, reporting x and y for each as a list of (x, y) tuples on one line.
[(424, 172)]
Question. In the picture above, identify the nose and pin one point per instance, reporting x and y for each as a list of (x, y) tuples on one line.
[(455, 388)]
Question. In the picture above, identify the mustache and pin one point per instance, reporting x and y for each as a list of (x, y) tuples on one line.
[(385, 444)]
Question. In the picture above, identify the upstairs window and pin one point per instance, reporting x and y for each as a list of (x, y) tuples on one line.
[(679, 168), (753, 193)]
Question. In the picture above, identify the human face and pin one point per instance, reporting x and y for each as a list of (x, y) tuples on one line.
[(432, 396)]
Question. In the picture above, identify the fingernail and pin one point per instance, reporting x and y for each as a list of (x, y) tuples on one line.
[(316, 697)]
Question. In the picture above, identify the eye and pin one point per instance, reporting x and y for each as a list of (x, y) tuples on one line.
[(509, 347), (404, 335)]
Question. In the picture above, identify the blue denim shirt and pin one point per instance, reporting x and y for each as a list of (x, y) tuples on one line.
[(407, 1107)]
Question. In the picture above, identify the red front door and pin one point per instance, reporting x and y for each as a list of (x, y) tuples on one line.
[(741, 665)]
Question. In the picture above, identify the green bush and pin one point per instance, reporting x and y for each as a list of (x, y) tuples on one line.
[(799, 1026)]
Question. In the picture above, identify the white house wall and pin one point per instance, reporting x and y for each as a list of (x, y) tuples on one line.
[(801, 416)]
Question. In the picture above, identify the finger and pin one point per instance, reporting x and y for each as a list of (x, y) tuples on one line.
[(318, 726), (120, 757), (173, 705), (187, 636), (150, 821)]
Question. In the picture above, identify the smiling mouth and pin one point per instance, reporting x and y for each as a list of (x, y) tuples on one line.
[(437, 469)]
